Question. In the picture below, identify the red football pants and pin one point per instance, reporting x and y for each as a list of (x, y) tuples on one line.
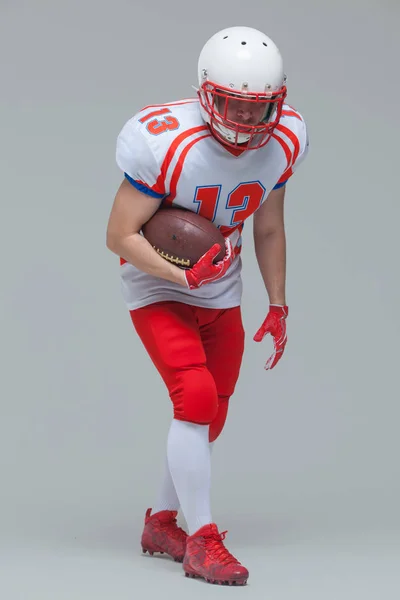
[(198, 353)]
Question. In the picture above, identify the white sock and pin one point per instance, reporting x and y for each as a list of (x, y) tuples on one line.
[(188, 452), (167, 497)]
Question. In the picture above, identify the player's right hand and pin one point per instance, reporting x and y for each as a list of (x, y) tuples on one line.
[(206, 270)]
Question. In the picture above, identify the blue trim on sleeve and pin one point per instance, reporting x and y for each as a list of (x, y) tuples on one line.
[(142, 188), (279, 185)]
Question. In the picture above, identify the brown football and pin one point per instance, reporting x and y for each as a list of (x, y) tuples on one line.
[(182, 236)]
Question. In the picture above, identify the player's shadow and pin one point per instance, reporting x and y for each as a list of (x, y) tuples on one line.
[(122, 538)]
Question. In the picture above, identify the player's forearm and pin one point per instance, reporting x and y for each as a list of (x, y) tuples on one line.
[(271, 257), (136, 250)]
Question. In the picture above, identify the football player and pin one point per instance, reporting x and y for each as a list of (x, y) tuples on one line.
[(226, 154)]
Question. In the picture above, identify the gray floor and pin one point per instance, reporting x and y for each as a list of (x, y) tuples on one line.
[(288, 559)]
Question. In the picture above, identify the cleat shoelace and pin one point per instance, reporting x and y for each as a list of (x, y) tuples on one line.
[(217, 549)]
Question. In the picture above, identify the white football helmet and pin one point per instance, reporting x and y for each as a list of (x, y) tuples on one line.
[(241, 63)]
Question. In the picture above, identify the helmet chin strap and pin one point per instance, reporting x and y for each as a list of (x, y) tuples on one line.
[(230, 135)]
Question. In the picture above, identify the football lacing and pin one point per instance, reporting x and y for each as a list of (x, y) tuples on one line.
[(183, 262)]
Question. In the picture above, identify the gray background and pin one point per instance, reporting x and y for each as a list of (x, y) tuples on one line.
[(306, 475)]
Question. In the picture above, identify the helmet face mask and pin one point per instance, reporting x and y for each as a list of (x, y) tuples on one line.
[(242, 87), (237, 119)]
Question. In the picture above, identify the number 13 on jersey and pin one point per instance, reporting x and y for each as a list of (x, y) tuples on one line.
[(242, 201)]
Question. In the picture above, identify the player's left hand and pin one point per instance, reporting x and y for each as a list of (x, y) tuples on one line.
[(275, 324)]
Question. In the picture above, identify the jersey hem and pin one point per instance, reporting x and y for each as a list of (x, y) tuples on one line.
[(190, 302)]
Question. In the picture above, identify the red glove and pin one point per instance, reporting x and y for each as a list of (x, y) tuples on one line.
[(206, 270), (275, 324)]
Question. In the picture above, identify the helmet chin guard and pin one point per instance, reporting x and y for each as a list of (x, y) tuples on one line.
[(241, 65)]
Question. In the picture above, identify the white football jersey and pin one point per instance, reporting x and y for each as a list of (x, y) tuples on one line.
[(167, 151)]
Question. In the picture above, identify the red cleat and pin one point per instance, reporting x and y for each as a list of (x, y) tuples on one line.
[(207, 557), (162, 534)]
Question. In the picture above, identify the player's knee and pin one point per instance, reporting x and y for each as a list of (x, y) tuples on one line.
[(217, 425), (195, 398)]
